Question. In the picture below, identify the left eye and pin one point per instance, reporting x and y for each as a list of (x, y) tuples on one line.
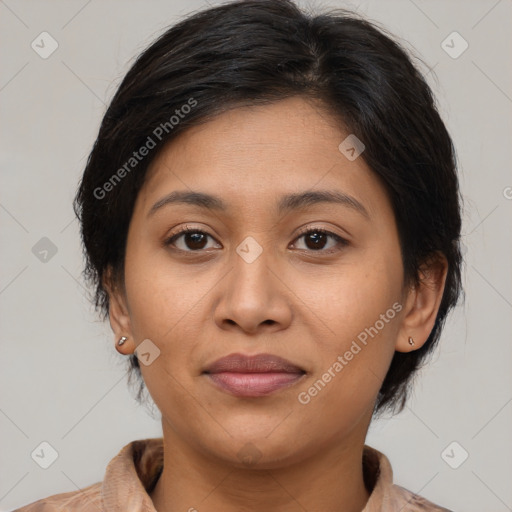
[(317, 239), (194, 240)]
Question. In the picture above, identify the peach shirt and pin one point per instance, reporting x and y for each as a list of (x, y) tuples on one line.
[(134, 471)]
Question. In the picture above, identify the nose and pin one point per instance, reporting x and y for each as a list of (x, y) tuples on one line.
[(253, 296)]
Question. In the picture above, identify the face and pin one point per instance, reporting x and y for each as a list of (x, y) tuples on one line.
[(317, 282)]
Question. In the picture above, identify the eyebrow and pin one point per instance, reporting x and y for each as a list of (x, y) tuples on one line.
[(287, 203)]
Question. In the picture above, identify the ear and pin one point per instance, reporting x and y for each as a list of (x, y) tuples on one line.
[(422, 304), (118, 312)]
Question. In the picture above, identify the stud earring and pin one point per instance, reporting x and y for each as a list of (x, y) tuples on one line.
[(411, 341), (122, 340)]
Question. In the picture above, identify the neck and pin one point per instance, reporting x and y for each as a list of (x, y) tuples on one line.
[(328, 479)]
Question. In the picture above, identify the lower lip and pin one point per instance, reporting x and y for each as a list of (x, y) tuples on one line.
[(253, 384)]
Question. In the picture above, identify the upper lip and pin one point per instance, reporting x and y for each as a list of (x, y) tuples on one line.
[(260, 363)]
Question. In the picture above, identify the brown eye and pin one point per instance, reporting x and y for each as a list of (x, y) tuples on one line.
[(189, 240), (318, 239)]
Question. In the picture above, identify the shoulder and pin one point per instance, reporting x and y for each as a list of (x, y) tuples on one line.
[(84, 500), (128, 477), (415, 503), (386, 496)]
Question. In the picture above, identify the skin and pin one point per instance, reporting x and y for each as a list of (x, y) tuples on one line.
[(304, 304)]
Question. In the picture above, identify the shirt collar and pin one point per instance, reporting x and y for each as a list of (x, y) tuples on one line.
[(131, 475), (133, 472)]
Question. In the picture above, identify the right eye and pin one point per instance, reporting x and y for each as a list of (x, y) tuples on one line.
[(188, 239)]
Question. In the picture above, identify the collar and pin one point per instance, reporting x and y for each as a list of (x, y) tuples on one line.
[(132, 474)]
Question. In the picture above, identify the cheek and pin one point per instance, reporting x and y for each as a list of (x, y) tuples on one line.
[(167, 306), (357, 314), (163, 301), (350, 297), (161, 296)]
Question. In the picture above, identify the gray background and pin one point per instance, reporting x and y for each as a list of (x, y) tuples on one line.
[(62, 380)]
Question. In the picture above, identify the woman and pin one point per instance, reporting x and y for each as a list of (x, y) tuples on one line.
[(270, 216)]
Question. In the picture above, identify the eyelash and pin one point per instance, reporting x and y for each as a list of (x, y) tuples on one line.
[(340, 241)]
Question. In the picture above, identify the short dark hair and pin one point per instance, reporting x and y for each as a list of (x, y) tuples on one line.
[(262, 51)]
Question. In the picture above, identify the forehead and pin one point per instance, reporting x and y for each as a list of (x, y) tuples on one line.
[(256, 154)]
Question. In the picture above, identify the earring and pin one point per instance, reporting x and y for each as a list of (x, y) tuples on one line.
[(122, 340), (411, 341)]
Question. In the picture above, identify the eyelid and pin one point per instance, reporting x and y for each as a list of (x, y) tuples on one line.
[(306, 229)]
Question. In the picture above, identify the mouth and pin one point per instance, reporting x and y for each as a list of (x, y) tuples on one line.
[(253, 376)]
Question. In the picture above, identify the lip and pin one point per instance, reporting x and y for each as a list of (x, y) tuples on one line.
[(253, 376)]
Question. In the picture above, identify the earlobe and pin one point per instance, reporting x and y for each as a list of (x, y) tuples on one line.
[(422, 304)]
